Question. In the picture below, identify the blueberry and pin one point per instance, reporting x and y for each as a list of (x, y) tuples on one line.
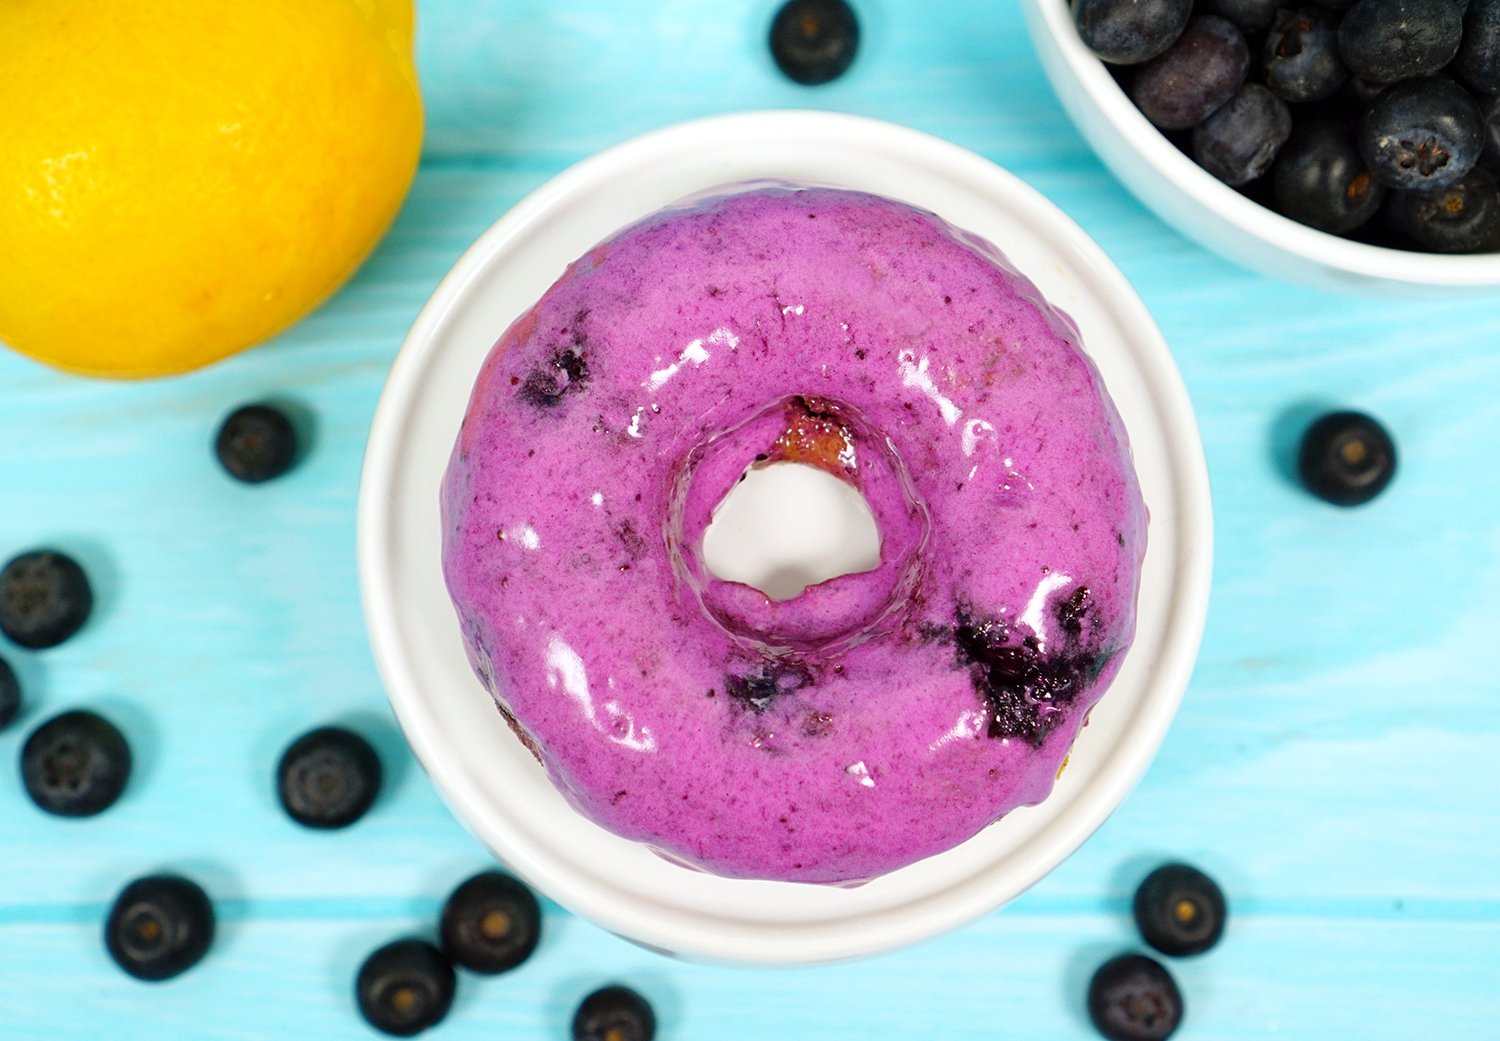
[(814, 41), (491, 923), (1179, 910), (1422, 135), (1321, 180), (1390, 40), (1346, 458), (1128, 32), (256, 443), (1491, 114), (1239, 142), (1134, 998), (10, 695), (1301, 55), (1250, 15), (1196, 75), (75, 764), (159, 927), (45, 598), (1462, 218), (1478, 61), (614, 1013), (328, 778), (405, 987)]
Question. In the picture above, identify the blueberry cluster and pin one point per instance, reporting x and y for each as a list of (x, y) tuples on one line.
[(1372, 119)]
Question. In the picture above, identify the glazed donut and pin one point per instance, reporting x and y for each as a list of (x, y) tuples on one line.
[(877, 718)]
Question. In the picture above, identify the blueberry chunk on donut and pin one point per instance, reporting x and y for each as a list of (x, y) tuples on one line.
[(880, 716)]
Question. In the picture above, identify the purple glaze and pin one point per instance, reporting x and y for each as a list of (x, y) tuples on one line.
[(877, 718)]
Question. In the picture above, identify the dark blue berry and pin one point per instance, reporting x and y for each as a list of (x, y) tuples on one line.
[(1491, 116), (1179, 910), (614, 1013), (1421, 135), (1301, 55), (256, 443), (1462, 218), (565, 372), (1390, 40), (328, 778), (1478, 61), (159, 927), (1320, 179), (814, 41), (45, 598), (75, 764), (1202, 70), (1239, 142), (1134, 998), (1250, 15), (491, 923), (1128, 32), (10, 695), (405, 987), (1346, 458)]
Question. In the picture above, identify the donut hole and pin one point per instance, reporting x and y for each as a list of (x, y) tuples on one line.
[(787, 526)]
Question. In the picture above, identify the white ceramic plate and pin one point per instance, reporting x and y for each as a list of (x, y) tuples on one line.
[(495, 787)]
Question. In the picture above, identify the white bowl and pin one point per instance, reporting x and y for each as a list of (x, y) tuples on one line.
[(1204, 208), (496, 788)]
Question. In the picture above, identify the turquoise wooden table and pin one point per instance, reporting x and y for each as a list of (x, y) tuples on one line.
[(1333, 764)]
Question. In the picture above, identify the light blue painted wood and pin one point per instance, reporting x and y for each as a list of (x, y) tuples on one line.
[(1332, 765)]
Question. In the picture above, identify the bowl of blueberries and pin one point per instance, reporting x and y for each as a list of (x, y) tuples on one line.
[(1345, 143)]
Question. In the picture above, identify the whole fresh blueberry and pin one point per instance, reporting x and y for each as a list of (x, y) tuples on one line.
[(1128, 32), (814, 41), (1346, 458), (1461, 218), (1134, 998), (1250, 15), (1179, 910), (328, 778), (614, 1013), (1197, 74), (159, 927), (1491, 115), (1320, 179), (10, 695), (1301, 55), (75, 764), (1390, 40), (491, 923), (256, 443), (405, 987), (1239, 142), (45, 598), (1422, 135), (1478, 61)]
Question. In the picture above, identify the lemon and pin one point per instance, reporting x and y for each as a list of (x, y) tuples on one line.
[(181, 179)]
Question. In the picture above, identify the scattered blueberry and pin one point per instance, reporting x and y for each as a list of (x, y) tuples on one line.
[(44, 598), (1250, 15), (1134, 998), (1128, 32), (1346, 458), (405, 987), (75, 764), (1462, 218), (256, 443), (1390, 40), (491, 923), (1321, 180), (328, 778), (1202, 70), (1179, 910), (614, 1013), (1422, 135), (814, 41), (1301, 56), (10, 695), (159, 927), (1478, 61), (1239, 142)]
